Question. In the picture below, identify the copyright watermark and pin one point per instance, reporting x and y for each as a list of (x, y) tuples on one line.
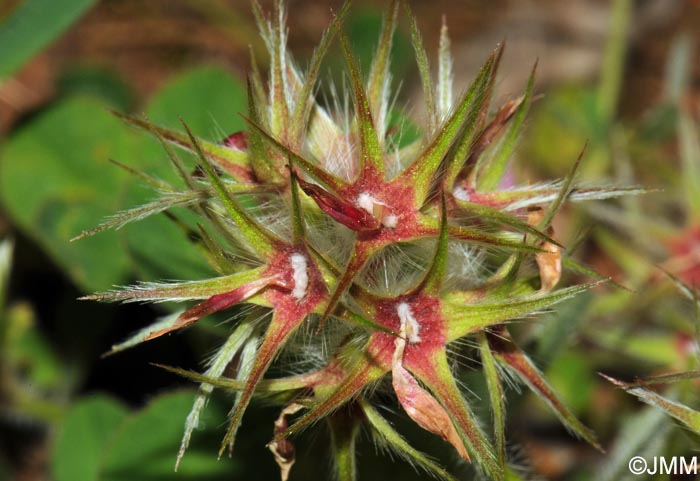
[(664, 465)]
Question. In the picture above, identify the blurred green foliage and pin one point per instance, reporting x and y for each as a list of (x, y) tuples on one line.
[(100, 439), (55, 172), (33, 25)]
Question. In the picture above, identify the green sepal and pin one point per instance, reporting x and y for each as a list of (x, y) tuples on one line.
[(496, 396), (495, 216), (513, 358), (426, 166), (434, 277), (490, 174), (305, 102), (363, 373), (329, 181), (261, 240), (423, 68), (492, 310), (378, 83), (371, 156), (439, 379), (386, 436), (233, 162)]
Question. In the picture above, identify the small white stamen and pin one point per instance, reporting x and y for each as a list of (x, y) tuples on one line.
[(409, 324), (461, 194), (390, 221), (367, 202), (375, 207), (300, 275)]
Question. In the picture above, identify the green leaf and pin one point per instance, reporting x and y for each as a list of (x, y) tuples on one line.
[(104, 83), (27, 352), (614, 61), (65, 151), (82, 440), (644, 434), (101, 441), (557, 329), (32, 26), (572, 376), (157, 429), (208, 98)]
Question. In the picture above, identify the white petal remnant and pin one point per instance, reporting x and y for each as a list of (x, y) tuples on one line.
[(409, 324), (300, 275)]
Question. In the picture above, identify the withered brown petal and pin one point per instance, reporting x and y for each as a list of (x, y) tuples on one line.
[(283, 449)]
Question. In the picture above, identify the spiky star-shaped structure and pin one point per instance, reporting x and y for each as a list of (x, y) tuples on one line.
[(343, 200)]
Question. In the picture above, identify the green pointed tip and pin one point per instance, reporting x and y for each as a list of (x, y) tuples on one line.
[(297, 214), (329, 181), (434, 277), (496, 396), (490, 174), (514, 359), (305, 103), (362, 374), (459, 128), (261, 240), (232, 161), (423, 68), (388, 436), (564, 192), (371, 156)]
